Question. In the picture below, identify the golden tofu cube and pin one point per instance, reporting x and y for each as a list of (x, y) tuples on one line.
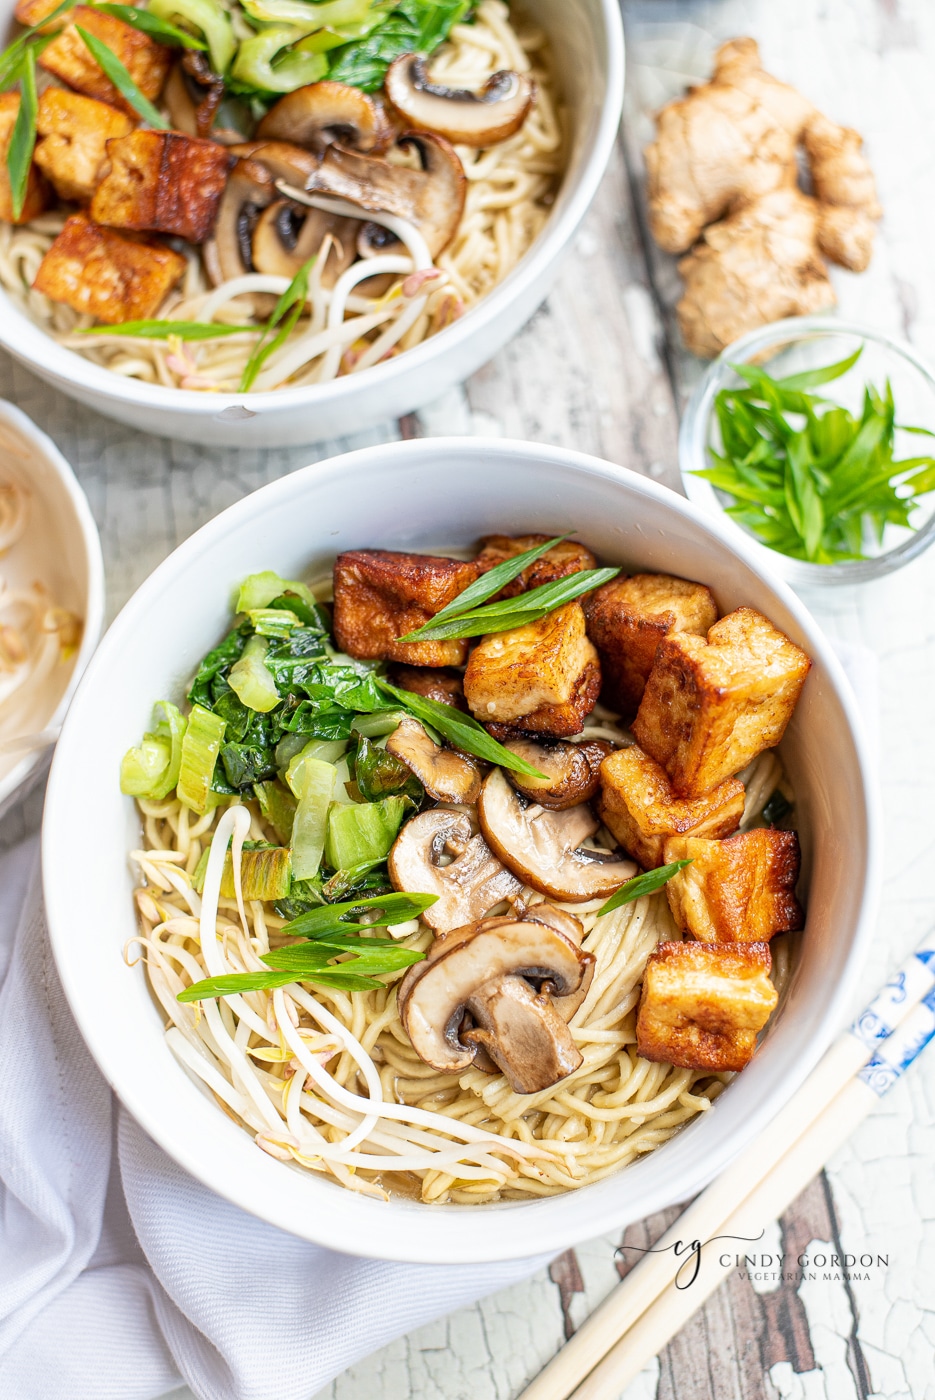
[(628, 618), (106, 275), (163, 181), (702, 1004), (544, 677), (638, 806), (69, 58), (558, 562), (75, 132), (710, 706), (37, 190), (736, 891), (380, 595), (32, 12)]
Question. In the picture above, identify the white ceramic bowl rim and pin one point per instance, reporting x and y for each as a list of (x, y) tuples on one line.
[(412, 1231), (33, 345), (94, 608)]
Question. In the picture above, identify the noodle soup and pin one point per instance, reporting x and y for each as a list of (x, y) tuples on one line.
[(424, 926), (314, 238)]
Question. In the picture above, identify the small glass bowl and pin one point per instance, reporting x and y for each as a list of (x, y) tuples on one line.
[(803, 343)]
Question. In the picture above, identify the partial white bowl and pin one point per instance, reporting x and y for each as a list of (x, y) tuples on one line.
[(422, 495), (61, 549), (587, 41)]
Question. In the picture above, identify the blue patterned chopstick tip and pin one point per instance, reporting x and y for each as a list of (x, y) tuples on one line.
[(909, 985), (894, 1056)]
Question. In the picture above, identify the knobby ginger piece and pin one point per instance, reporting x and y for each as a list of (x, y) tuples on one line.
[(711, 705), (37, 191), (75, 132), (702, 1004), (380, 595), (628, 618), (639, 808), (112, 278), (543, 677), (737, 891)]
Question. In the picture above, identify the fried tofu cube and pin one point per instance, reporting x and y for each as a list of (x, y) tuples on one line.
[(628, 618), (106, 275), (702, 1004), (543, 677), (75, 132), (710, 706), (32, 12), (638, 806), (736, 891), (69, 58), (37, 190), (380, 595), (558, 562), (162, 181)]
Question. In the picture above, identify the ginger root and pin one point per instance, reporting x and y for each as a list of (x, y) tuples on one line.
[(723, 170)]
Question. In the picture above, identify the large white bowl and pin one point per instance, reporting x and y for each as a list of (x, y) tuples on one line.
[(61, 548), (421, 495), (587, 41)]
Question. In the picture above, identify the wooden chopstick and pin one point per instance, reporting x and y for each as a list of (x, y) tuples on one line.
[(820, 1115)]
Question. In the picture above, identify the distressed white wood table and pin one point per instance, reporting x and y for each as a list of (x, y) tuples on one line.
[(600, 368)]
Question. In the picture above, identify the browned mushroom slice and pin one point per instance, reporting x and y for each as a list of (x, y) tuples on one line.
[(474, 971), (286, 236), (250, 189), (431, 197), (479, 118), (447, 776), (193, 94), (545, 849), (474, 882), (434, 682), (566, 924), (572, 771), (316, 115)]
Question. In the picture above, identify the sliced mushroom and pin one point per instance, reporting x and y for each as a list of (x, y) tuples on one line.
[(447, 776), (473, 971), (479, 118), (572, 771), (566, 924), (435, 683), (545, 849), (193, 94), (250, 189), (431, 197), (472, 883), (316, 115), (286, 236)]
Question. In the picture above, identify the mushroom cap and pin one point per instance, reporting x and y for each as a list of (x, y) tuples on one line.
[(432, 197), (474, 882), (481, 118), (447, 776), (285, 236), (572, 771), (565, 923), (434, 994), (320, 113), (251, 188), (543, 848)]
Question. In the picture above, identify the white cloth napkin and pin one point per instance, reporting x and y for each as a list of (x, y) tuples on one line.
[(120, 1275)]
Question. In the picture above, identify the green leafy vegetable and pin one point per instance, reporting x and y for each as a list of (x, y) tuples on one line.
[(363, 831), (806, 476), (357, 879), (647, 883), (273, 61), (265, 872), (777, 808), (312, 781), (23, 138), (414, 26), (263, 589), (278, 806), (162, 330), (286, 313), (513, 612), (459, 729), (159, 29), (380, 774), (106, 59), (251, 679), (200, 748), (152, 770), (207, 17)]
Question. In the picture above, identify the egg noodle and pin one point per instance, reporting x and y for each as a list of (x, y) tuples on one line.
[(509, 189), (329, 1081)]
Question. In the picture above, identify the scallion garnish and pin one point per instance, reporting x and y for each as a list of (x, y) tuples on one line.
[(647, 883), (111, 65), (23, 139), (286, 312), (513, 612), (459, 729), (159, 29), (163, 330), (806, 476), (491, 582)]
